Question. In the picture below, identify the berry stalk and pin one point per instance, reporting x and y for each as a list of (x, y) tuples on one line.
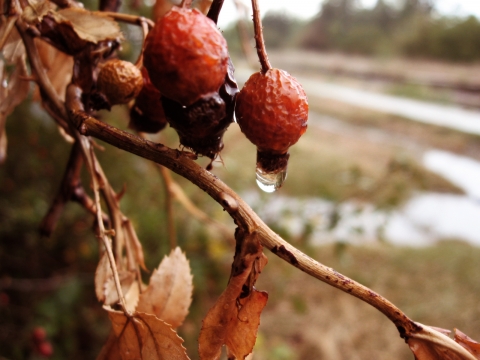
[(259, 43), (187, 4)]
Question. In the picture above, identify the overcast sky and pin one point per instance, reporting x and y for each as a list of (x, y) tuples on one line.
[(307, 8)]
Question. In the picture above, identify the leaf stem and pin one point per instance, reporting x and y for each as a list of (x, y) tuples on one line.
[(259, 42)]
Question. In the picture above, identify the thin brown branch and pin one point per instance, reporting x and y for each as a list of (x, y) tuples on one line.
[(39, 72), (70, 181), (186, 4), (10, 23), (259, 42), (106, 240), (168, 184), (129, 19), (181, 163), (215, 9)]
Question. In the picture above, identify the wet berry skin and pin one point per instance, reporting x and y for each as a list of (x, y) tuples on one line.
[(120, 81), (147, 113), (272, 111), (186, 56)]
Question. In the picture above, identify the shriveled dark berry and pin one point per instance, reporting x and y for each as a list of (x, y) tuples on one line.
[(201, 125), (147, 113)]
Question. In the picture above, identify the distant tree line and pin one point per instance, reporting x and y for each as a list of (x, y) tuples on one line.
[(410, 28)]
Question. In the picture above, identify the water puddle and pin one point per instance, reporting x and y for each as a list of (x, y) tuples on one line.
[(423, 220)]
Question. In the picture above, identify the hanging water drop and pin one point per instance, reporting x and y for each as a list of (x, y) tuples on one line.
[(270, 181)]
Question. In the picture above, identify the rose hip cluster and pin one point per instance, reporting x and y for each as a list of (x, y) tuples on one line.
[(188, 81)]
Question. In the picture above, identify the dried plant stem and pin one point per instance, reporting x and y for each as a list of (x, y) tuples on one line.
[(186, 4), (10, 23), (181, 163), (129, 19), (215, 9), (106, 240), (168, 184), (259, 42)]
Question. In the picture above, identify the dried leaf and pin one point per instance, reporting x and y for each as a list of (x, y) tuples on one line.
[(142, 336), (14, 48), (127, 278), (106, 290), (57, 65), (13, 90), (242, 330), (102, 273), (430, 344), (90, 26), (169, 294), (36, 10), (3, 145), (135, 244), (468, 343), (233, 321)]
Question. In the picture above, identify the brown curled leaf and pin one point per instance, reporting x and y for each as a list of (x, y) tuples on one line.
[(233, 321), (57, 65), (169, 293), (90, 26), (468, 343), (430, 344), (141, 336), (242, 331)]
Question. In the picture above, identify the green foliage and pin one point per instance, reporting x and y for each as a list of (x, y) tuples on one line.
[(411, 29)]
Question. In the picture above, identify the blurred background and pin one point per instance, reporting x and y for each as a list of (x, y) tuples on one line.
[(384, 187)]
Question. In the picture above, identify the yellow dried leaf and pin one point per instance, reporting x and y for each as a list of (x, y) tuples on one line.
[(89, 26), (141, 336), (430, 344), (468, 343), (169, 293)]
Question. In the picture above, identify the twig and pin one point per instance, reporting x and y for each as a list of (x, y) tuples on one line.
[(71, 179), (215, 9), (260, 44), (103, 236), (7, 30), (129, 19), (181, 163), (186, 4), (168, 184), (179, 195)]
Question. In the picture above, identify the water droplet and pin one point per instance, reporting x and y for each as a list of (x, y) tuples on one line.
[(270, 181)]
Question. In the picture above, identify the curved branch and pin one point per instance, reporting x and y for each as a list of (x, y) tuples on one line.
[(182, 163)]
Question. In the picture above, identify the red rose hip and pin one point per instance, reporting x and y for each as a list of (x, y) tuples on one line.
[(272, 112), (186, 56)]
